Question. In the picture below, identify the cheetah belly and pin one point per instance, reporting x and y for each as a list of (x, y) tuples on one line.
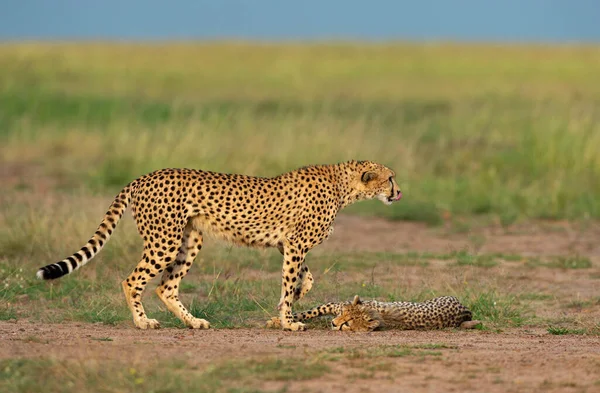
[(248, 232)]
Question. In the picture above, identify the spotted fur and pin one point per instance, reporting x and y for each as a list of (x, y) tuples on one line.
[(365, 316), (174, 209)]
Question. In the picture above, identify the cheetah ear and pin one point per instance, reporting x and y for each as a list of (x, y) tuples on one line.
[(368, 176), (356, 301)]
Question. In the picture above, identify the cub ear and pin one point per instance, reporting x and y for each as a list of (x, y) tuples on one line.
[(356, 301), (368, 176)]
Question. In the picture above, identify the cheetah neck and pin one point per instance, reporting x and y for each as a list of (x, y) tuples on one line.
[(343, 182)]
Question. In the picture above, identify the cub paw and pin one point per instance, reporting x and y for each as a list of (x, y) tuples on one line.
[(295, 326), (273, 323)]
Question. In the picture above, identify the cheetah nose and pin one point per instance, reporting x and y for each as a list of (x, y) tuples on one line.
[(398, 196)]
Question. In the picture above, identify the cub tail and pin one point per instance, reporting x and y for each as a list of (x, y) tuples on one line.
[(466, 321)]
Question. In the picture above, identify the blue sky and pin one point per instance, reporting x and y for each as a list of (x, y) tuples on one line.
[(456, 20)]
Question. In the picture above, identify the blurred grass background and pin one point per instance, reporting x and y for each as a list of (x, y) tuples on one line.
[(504, 131)]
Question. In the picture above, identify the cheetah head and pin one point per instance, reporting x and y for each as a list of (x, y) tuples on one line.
[(375, 181), (355, 317)]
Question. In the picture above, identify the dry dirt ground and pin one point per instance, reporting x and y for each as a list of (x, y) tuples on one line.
[(524, 359)]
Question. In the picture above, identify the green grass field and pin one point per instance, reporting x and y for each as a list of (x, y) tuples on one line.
[(476, 134), (508, 132)]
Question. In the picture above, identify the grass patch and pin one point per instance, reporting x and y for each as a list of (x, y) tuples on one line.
[(30, 375), (381, 351), (561, 262), (36, 339), (535, 296), (498, 309), (583, 303), (93, 111), (560, 331), (188, 287), (570, 262), (435, 346), (464, 258), (7, 313), (361, 260), (269, 370), (106, 312), (509, 257)]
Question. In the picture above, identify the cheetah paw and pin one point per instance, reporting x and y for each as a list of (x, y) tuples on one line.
[(145, 323), (273, 323), (295, 326), (197, 323)]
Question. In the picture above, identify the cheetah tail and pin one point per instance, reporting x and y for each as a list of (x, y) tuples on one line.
[(94, 245)]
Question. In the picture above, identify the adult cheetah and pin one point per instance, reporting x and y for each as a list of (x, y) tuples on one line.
[(174, 208), (368, 315)]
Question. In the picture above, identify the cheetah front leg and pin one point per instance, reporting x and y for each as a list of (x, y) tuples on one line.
[(305, 278), (293, 260), (168, 290)]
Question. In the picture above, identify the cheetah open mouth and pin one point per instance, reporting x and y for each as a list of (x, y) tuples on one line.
[(395, 198), (389, 199)]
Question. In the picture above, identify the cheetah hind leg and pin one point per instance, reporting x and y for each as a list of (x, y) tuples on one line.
[(168, 290), (134, 286)]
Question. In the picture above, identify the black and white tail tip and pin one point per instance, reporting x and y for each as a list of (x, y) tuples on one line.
[(56, 270)]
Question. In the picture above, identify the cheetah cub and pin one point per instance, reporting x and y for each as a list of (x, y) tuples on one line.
[(365, 316)]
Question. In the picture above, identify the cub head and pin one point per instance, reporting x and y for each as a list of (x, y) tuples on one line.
[(355, 317), (370, 180)]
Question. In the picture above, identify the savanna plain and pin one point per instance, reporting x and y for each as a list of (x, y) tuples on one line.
[(496, 149)]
